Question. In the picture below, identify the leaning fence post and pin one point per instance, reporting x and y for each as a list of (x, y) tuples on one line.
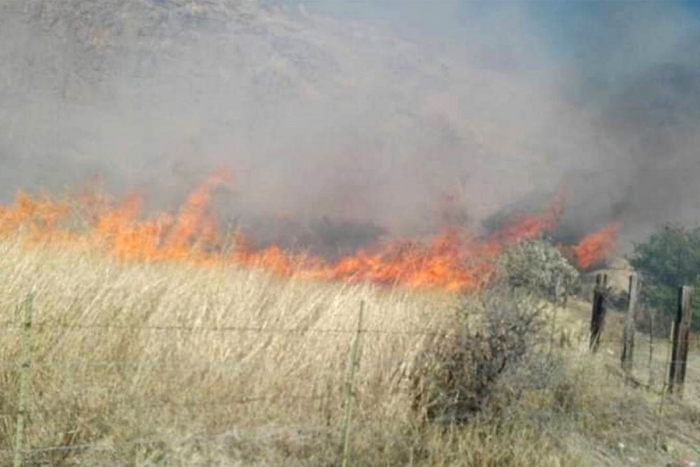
[(350, 387), (599, 310), (681, 341), (24, 378), (628, 333)]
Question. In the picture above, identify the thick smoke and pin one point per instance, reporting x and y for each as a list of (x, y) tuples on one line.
[(640, 81), (344, 126)]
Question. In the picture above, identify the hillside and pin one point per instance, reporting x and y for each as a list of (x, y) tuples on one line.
[(317, 116)]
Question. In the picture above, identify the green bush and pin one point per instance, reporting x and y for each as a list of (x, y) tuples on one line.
[(534, 266), (668, 260)]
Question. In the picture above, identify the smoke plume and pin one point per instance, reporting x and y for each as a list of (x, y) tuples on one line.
[(350, 126)]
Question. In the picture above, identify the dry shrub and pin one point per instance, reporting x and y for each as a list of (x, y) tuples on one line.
[(460, 372)]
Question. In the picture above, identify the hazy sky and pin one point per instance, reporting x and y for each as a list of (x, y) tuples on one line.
[(604, 41)]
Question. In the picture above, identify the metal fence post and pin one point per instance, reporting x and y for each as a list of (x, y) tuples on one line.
[(350, 388), (24, 378)]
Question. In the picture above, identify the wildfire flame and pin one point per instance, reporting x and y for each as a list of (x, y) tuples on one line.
[(597, 246), (454, 259)]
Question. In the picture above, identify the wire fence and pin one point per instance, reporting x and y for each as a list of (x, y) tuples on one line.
[(30, 409), (27, 362), (221, 329)]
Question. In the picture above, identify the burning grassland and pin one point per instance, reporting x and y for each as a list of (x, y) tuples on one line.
[(146, 363), (219, 330), (453, 259)]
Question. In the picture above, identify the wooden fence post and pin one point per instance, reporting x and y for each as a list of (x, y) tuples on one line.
[(558, 298), (24, 378), (681, 340), (599, 310), (628, 334), (350, 388), (652, 332)]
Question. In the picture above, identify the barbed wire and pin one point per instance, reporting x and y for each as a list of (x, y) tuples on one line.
[(657, 365), (253, 329), (163, 363), (175, 404)]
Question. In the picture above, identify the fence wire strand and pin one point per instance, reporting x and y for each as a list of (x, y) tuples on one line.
[(253, 329), (179, 405)]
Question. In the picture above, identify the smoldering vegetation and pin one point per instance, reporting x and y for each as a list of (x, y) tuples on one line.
[(326, 118)]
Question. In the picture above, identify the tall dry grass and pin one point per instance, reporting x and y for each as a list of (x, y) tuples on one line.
[(124, 353), (172, 364)]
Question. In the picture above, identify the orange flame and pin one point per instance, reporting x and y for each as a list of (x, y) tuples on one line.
[(597, 247), (445, 262), (530, 227), (453, 260)]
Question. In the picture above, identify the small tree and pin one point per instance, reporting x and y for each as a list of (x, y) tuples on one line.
[(668, 260)]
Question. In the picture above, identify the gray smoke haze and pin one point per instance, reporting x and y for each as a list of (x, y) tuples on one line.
[(324, 117)]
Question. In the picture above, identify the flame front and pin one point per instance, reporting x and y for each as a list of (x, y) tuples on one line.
[(454, 259), (597, 246)]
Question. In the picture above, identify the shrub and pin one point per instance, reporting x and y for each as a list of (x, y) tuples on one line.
[(534, 266), (668, 260), (459, 373)]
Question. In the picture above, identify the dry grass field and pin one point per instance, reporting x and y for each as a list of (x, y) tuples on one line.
[(174, 364)]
